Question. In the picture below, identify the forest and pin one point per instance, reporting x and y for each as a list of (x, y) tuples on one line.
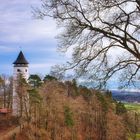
[(52, 109)]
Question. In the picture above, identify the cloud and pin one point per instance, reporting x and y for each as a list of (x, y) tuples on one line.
[(29, 32), (36, 37), (17, 25), (7, 49)]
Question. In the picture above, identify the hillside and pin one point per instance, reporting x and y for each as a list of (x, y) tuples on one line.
[(133, 107), (65, 111), (126, 96)]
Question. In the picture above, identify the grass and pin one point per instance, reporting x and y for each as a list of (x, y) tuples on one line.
[(137, 137), (135, 107), (132, 107)]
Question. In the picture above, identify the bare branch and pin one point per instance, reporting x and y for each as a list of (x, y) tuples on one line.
[(94, 29)]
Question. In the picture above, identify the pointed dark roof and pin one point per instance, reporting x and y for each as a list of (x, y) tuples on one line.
[(21, 59)]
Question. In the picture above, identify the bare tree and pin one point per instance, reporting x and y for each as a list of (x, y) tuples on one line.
[(22, 98), (5, 89), (104, 36), (10, 93)]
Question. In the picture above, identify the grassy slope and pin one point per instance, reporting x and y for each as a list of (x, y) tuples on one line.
[(138, 137), (133, 107), (136, 108)]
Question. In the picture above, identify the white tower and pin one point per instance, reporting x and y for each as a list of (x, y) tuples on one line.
[(20, 67)]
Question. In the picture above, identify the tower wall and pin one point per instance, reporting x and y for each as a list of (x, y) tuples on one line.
[(24, 71), (20, 68)]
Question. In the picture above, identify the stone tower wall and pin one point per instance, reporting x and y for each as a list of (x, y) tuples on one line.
[(24, 71)]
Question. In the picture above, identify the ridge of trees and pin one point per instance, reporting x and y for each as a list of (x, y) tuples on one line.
[(64, 110)]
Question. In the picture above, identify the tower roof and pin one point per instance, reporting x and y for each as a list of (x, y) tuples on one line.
[(21, 59)]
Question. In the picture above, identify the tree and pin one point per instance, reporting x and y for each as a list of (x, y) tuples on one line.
[(1, 88), (98, 32), (35, 80), (68, 117), (9, 93), (22, 98), (3, 80), (72, 88), (35, 103), (49, 78), (6, 90), (85, 92), (120, 108)]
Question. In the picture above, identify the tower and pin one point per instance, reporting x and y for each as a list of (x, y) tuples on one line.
[(20, 68)]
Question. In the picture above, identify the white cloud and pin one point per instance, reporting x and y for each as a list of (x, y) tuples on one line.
[(6, 49), (44, 49), (45, 63), (29, 32), (36, 37), (18, 25)]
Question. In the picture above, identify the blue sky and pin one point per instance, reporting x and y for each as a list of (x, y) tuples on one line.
[(36, 38)]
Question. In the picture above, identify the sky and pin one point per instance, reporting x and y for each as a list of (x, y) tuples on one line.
[(19, 30)]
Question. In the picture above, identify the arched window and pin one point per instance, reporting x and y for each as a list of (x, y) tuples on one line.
[(26, 70)]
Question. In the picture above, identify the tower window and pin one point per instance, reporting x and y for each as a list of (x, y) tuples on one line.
[(26, 70), (18, 70)]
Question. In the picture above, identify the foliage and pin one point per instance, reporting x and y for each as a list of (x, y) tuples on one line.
[(21, 98), (120, 108), (108, 94), (103, 101), (68, 117), (49, 78), (85, 92), (34, 96), (55, 115), (35, 81), (72, 89)]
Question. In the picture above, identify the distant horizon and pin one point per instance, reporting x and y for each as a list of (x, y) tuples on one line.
[(115, 85)]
